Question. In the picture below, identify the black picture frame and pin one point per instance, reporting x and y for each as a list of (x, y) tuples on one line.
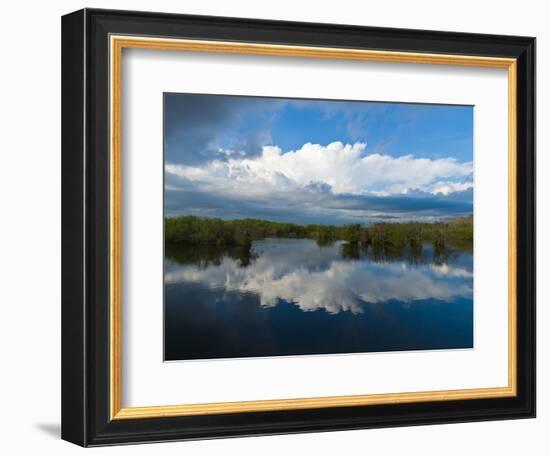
[(85, 228)]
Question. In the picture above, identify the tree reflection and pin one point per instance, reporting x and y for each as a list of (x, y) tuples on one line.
[(350, 251), (204, 255)]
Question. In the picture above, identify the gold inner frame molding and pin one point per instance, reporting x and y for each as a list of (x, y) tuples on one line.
[(117, 44)]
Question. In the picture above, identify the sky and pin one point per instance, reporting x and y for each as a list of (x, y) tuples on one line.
[(316, 161)]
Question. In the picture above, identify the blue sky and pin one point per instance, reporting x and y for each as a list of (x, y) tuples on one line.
[(316, 161)]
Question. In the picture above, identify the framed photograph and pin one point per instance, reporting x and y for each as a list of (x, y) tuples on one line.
[(278, 227)]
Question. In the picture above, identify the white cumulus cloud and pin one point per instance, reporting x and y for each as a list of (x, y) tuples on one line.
[(344, 168)]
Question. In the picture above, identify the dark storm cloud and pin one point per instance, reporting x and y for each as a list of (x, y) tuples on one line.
[(316, 204), (197, 125), (430, 204)]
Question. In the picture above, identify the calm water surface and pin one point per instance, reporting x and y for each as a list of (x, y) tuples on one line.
[(294, 297)]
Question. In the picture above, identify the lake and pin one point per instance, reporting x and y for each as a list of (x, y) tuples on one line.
[(295, 297)]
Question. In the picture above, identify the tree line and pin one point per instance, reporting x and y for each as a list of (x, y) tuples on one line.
[(191, 229)]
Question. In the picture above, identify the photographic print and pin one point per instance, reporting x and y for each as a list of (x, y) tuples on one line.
[(310, 226)]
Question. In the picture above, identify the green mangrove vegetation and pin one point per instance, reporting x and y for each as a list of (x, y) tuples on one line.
[(191, 229)]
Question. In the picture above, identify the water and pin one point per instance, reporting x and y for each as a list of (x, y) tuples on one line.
[(295, 297)]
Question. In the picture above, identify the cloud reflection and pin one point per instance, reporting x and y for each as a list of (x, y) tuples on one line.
[(313, 278)]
